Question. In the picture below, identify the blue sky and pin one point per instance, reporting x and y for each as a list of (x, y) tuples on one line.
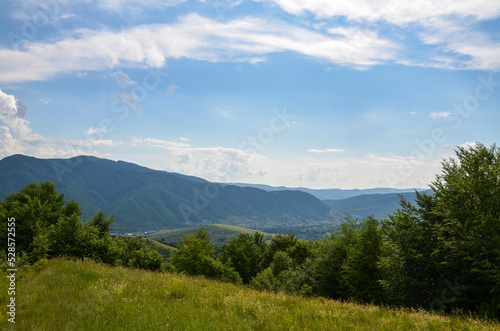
[(318, 94)]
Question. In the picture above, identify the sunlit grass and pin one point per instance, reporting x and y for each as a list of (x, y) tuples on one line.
[(78, 295)]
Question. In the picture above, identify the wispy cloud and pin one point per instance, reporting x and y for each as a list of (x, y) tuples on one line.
[(194, 37), (443, 114), (395, 12), (171, 89), (327, 150), (123, 79)]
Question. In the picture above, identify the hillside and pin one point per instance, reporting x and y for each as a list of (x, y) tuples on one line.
[(332, 193), (378, 205), (90, 296), (143, 199), (219, 233)]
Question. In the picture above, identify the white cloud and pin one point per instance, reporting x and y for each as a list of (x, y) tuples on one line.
[(92, 130), (450, 26), (114, 5), (219, 164), (327, 150), (396, 12), (171, 89), (318, 174), (12, 113), (468, 144), (461, 47), (443, 114), (123, 79), (9, 145), (26, 141), (194, 37), (128, 100)]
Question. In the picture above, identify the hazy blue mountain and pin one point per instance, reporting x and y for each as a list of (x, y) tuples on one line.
[(331, 194), (145, 199), (378, 205)]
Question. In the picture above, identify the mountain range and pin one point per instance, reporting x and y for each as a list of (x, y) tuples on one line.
[(143, 199)]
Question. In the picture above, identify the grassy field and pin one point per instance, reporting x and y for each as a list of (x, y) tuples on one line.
[(220, 233), (83, 295)]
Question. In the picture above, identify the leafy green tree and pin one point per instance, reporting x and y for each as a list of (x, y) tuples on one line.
[(147, 258), (245, 254), (264, 281), (447, 248), (66, 237), (299, 252), (192, 250), (467, 197), (195, 257), (360, 272), (280, 242), (35, 207), (102, 223), (328, 257), (409, 269)]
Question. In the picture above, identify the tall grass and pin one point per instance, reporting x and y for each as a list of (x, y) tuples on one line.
[(83, 295)]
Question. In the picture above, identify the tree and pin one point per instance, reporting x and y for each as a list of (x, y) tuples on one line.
[(446, 250), (192, 251), (410, 270), (328, 257), (102, 223), (360, 272), (280, 242), (245, 254), (35, 207), (467, 197)]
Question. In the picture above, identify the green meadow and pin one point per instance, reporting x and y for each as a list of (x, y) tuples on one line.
[(63, 294)]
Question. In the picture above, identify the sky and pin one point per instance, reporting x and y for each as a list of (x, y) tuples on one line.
[(298, 93)]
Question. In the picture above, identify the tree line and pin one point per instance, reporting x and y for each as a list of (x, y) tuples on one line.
[(440, 253)]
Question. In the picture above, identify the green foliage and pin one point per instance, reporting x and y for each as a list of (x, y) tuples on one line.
[(450, 241), (66, 237), (264, 281), (35, 208), (408, 263), (329, 256), (102, 223), (192, 251), (195, 257), (244, 253), (219, 233), (147, 258), (360, 272)]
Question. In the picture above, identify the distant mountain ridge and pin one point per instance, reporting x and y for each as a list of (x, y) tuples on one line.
[(145, 199), (334, 193)]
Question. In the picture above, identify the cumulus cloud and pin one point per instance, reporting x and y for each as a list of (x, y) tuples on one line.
[(220, 164), (12, 113), (25, 141)]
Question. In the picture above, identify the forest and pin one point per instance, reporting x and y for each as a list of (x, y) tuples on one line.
[(440, 253)]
